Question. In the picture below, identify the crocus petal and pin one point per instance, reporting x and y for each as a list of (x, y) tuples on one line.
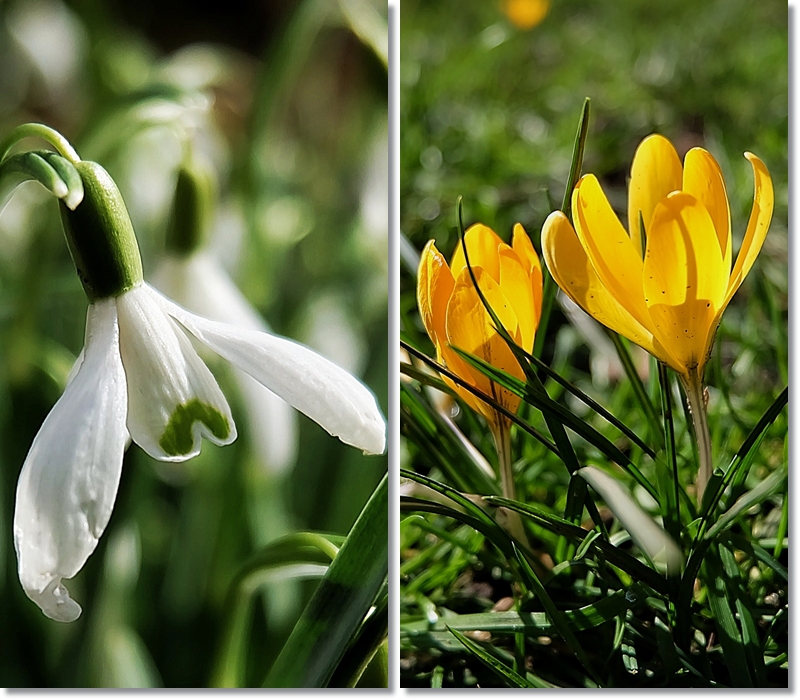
[(573, 272), (522, 245), (173, 399), (202, 286), (656, 171), (702, 178), (470, 328), (316, 387), (760, 217), (684, 277), (482, 246), (69, 481), (434, 287), (608, 247), (516, 285)]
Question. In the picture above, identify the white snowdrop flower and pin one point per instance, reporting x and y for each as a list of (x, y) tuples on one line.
[(140, 376)]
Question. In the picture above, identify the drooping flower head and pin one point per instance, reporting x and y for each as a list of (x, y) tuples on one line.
[(139, 377), (671, 299), (510, 278)]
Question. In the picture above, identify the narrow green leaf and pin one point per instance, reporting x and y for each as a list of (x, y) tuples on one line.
[(638, 387), (506, 674), (669, 478), (761, 492), (728, 632), (438, 442), (648, 535), (576, 164), (340, 603), (298, 555), (612, 554), (563, 415), (559, 621), (734, 584), (364, 647), (483, 397)]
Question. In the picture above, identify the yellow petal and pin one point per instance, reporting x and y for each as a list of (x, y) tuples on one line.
[(515, 282), (434, 287), (470, 328), (684, 277), (610, 250), (655, 172), (760, 217), (448, 357), (522, 245), (573, 272), (702, 178), (483, 246)]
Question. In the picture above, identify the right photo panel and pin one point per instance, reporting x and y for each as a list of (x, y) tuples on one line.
[(594, 344)]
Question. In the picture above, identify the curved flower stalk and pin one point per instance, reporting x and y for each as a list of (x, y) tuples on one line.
[(510, 278), (671, 299), (139, 376)]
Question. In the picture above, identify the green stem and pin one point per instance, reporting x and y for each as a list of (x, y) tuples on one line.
[(502, 441), (41, 131), (693, 384)]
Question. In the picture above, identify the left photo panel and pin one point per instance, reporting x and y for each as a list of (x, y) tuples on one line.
[(194, 212)]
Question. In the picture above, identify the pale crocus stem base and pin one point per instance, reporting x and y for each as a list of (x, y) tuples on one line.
[(693, 385), (510, 519)]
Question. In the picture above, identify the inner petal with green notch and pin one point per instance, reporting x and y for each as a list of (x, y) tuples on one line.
[(178, 437)]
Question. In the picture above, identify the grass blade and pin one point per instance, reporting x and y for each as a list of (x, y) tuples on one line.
[(339, 604), (506, 674)]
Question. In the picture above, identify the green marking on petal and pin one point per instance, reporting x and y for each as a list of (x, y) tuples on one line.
[(178, 439)]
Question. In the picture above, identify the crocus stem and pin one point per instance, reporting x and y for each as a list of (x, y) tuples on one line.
[(697, 407), (502, 441)]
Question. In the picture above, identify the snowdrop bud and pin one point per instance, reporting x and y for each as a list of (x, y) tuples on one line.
[(100, 236), (191, 211)]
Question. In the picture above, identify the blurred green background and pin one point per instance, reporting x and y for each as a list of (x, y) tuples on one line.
[(489, 111), (289, 101)]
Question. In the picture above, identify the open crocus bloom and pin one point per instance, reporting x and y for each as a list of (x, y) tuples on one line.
[(670, 301), (140, 375), (200, 284), (510, 278)]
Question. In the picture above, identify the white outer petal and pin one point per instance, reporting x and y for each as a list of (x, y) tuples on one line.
[(69, 481), (164, 372), (316, 387), (202, 286)]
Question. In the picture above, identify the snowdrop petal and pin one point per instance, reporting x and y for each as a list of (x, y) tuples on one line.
[(69, 481), (173, 399), (315, 386), (199, 283)]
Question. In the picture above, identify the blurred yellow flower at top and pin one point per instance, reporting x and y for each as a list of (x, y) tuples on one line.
[(525, 14), (510, 278), (669, 301)]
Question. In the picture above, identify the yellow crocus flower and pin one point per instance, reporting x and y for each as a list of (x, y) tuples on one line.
[(669, 301), (525, 14), (510, 278)]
